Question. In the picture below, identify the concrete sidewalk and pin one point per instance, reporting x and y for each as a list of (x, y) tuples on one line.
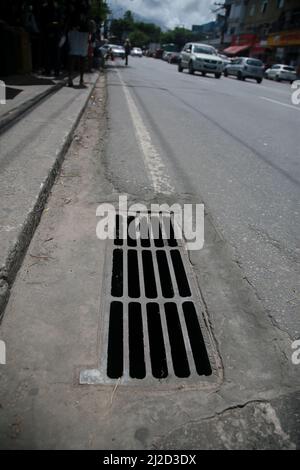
[(23, 92), (31, 153)]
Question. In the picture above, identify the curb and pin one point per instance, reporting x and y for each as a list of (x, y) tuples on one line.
[(12, 116), (17, 253)]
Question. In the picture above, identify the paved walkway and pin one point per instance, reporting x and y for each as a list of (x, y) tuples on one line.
[(22, 88), (31, 152)]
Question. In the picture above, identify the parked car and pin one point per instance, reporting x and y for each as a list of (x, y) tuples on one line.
[(158, 54), (174, 58), (280, 72), (200, 58), (166, 55), (245, 67), (136, 52), (226, 60), (113, 51)]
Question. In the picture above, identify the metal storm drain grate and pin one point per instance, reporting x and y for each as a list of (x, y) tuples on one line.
[(153, 328)]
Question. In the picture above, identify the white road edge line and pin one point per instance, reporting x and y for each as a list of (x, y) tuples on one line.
[(279, 102), (158, 174)]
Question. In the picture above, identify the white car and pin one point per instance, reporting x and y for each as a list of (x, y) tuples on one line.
[(112, 51), (200, 58), (136, 52), (280, 72), (166, 55)]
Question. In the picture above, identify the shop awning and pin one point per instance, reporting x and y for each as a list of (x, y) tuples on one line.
[(258, 49), (234, 50)]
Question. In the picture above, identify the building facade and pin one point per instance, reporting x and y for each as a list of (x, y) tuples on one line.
[(267, 29)]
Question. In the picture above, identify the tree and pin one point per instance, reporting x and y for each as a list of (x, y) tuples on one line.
[(122, 26), (99, 10), (178, 36), (138, 38), (128, 17), (150, 29)]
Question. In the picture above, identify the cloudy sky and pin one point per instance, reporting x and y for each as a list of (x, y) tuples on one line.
[(169, 12)]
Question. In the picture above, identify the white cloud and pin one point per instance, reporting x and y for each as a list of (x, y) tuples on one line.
[(170, 12)]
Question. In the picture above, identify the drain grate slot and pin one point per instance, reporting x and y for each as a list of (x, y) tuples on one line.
[(134, 290), (196, 339), (137, 368), (149, 275), (164, 274), (115, 341), (145, 232), (169, 230), (180, 274), (118, 239), (131, 240), (156, 342), (117, 274), (178, 351), (154, 330), (157, 232)]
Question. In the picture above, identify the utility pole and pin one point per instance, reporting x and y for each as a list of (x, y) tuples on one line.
[(226, 6)]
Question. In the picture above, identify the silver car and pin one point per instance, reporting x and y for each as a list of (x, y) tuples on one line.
[(226, 60), (112, 51), (280, 72), (200, 58), (136, 52), (245, 67)]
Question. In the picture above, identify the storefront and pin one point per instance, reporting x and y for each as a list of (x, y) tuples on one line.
[(240, 44), (247, 45), (286, 47)]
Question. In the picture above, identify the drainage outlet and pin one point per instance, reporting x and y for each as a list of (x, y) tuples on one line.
[(154, 330)]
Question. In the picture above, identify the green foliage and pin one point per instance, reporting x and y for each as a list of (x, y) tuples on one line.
[(138, 38), (99, 10), (128, 18), (139, 33), (151, 30), (178, 36)]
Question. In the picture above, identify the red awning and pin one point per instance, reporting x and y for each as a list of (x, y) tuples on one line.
[(258, 49), (233, 50)]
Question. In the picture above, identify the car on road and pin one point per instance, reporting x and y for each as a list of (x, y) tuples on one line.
[(281, 72), (245, 67), (202, 58), (166, 55), (136, 52), (226, 60), (113, 51), (174, 58)]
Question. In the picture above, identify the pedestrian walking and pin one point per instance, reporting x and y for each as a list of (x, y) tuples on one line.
[(78, 36), (127, 47)]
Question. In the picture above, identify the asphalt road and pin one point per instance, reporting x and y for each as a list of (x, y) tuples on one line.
[(233, 145)]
